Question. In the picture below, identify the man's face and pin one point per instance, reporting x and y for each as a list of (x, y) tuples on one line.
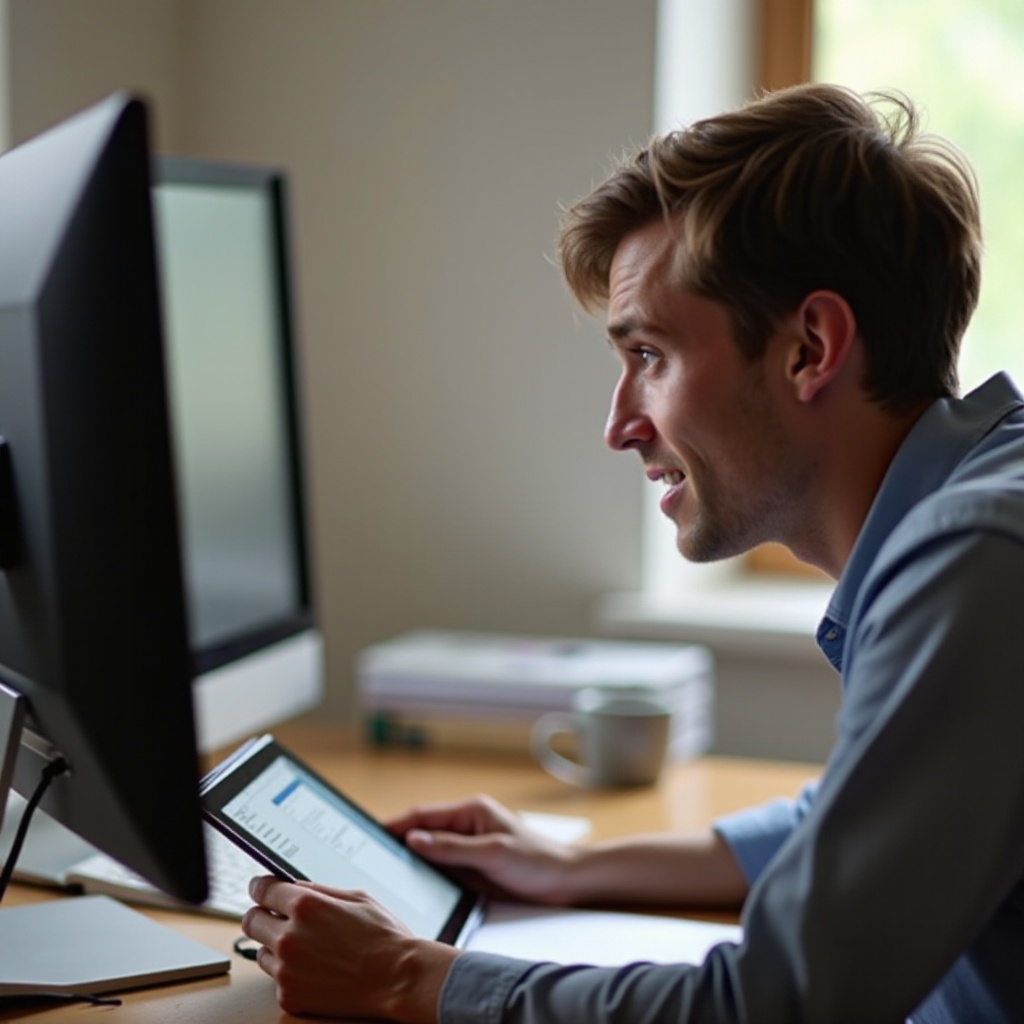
[(701, 416)]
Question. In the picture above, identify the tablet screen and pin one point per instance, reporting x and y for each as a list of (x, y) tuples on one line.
[(301, 827)]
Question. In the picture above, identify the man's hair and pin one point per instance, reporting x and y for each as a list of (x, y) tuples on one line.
[(806, 188)]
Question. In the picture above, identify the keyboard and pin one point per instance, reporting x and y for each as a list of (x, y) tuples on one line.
[(230, 870)]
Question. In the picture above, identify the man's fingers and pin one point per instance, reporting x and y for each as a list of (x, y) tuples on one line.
[(474, 816), (453, 848), (267, 960), (271, 893), (283, 898), (261, 926)]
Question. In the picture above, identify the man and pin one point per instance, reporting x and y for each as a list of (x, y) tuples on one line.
[(786, 287)]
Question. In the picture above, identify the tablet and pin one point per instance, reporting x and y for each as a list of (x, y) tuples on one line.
[(300, 827)]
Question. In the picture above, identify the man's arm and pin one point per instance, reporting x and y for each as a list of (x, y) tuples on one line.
[(666, 870)]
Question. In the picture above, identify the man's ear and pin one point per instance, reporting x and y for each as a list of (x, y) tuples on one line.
[(824, 331)]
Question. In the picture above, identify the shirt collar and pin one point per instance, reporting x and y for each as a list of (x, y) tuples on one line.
[(936, 444)]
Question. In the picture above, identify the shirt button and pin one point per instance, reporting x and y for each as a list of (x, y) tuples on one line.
[(831, 634)]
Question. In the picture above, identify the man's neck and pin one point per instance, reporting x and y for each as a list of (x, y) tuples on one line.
[(852, 474)]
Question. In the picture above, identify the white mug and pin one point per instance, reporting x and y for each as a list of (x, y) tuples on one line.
[(621, 736)]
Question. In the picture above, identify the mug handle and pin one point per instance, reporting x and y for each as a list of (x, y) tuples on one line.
[(557, 723)]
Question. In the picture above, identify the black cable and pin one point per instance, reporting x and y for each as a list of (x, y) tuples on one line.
[(58, 766), (246, 947)]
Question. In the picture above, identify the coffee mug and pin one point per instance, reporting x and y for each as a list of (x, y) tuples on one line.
[(621, 737)]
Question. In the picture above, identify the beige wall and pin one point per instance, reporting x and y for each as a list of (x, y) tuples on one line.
[(5, 67), (454, 401), (65, 54)]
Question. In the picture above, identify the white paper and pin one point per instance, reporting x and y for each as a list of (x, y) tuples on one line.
[(565, 828), (600, 938)]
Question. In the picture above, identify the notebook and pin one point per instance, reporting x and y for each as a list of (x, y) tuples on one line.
[(94, 944)]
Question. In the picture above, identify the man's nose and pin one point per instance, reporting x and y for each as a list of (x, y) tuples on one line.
[(628, 425)]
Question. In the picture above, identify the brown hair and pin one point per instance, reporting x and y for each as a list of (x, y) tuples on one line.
[(807, 188)]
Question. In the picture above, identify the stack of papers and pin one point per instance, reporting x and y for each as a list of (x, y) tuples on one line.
[(478, 675), (599, 938)]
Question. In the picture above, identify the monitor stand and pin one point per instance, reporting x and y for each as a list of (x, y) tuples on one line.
[(81, 946), (12, 717)]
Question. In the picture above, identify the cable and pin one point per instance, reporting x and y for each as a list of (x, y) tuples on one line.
[(58, 766)]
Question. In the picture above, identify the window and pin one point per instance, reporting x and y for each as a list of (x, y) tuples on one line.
[(962, 61)]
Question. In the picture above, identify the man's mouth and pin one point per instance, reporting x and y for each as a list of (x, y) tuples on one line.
[(672, 480), (669, 477)]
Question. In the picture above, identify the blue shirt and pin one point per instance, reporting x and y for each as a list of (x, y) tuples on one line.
[(895, 887)]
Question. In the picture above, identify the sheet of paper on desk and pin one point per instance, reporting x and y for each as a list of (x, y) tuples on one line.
[(602, 938)]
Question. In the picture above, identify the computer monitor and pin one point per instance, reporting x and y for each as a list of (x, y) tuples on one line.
[(94, 637), (223, 251)]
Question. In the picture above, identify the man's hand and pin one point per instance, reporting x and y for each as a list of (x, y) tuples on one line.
[(482, 837), (341, 954)]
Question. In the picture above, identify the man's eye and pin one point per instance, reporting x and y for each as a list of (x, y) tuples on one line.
[(647, 357)]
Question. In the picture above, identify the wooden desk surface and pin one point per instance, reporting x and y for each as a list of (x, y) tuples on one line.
[(385, 782)]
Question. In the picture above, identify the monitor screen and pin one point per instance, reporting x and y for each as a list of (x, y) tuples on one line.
[(222, 232), (93, 627)]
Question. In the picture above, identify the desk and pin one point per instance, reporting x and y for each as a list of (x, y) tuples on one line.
[(387, 781)]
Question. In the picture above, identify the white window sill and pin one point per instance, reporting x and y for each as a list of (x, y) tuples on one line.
[(753, 616)]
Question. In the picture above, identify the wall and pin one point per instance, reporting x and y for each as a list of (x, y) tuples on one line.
[(66, 54), (454, 400), (5, 68)]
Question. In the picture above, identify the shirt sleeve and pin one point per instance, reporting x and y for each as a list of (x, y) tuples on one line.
[(755, 835), (478, 986), (854, 917), (483, 988)]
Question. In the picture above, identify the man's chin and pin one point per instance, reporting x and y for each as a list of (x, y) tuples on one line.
[(701, 547)]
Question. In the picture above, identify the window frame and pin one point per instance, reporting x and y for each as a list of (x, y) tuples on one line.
[(785, 43)]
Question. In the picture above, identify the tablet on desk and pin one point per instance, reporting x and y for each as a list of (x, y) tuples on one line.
[(301, 828)]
